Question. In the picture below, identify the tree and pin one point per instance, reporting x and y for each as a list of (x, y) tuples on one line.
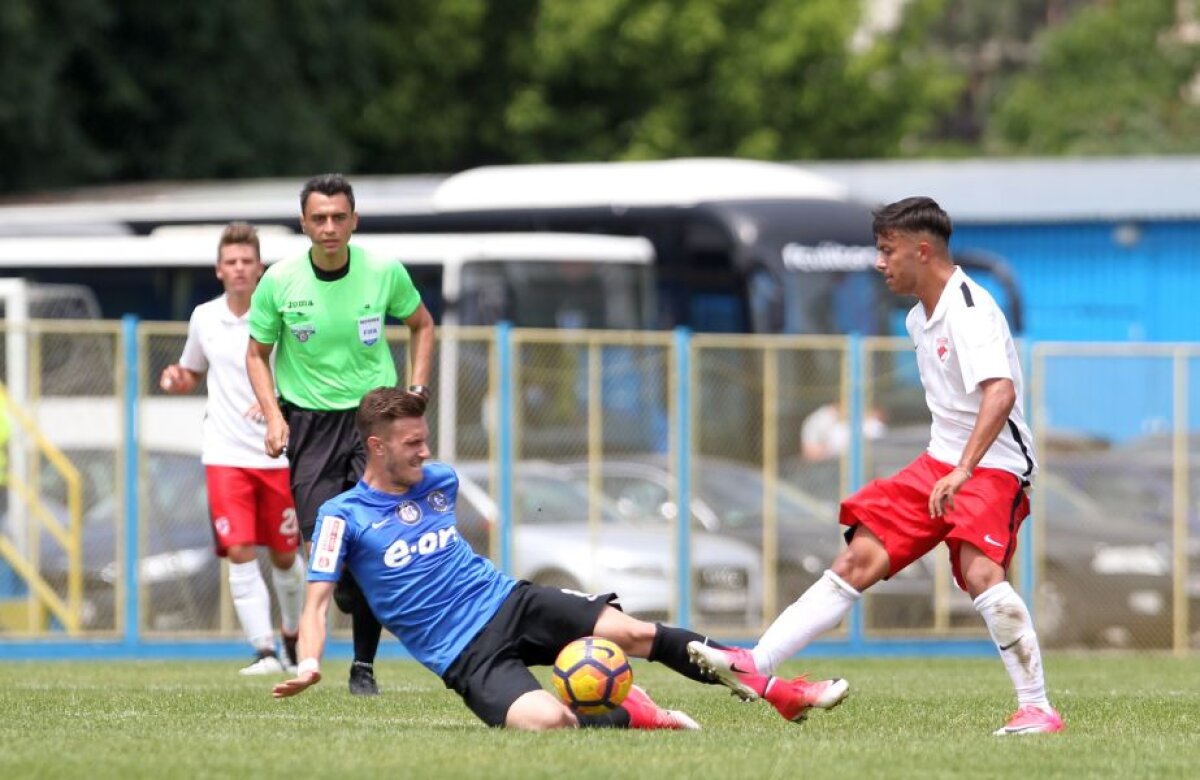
[(41, 133), (990, 43), (773, 79), (465, 82), (97, 91), (441, 75), (1113, 79)]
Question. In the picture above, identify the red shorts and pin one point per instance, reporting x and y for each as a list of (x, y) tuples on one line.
[(251, 507), (988, 510)]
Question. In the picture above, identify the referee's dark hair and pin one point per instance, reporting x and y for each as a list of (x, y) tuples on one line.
[(914, 215), (383, 405), (328, 184)]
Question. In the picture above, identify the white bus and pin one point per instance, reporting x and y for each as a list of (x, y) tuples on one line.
[(528, 279), (740, 246), (547, 280)]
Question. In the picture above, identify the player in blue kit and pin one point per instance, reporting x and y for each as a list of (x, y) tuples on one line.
[(472, 625)]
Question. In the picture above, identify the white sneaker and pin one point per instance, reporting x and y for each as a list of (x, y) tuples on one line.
[(733, 668), (263, 665)]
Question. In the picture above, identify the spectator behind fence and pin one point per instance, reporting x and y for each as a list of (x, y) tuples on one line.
[(825, 432)]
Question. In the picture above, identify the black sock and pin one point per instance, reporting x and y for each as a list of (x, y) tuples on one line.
[(617, 719), (289, 647), (367, 631), (670, 649)]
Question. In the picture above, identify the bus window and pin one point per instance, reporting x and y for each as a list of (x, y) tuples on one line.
[(540, 280), (555, 295), (428, 281)]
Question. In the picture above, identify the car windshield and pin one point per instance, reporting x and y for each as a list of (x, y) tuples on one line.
[(1130, 492), (546, 499), (735, 494), (1067, 504), (174, 484), (722, 495)]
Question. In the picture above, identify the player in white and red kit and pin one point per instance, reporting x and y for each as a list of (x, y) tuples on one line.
[(967, 490), (249, 499)]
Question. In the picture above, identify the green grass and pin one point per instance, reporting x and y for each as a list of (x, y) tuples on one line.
[(1136, 716)]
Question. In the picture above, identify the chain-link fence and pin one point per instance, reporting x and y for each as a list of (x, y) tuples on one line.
[(1118, 544), (601, 435), (62, 509)]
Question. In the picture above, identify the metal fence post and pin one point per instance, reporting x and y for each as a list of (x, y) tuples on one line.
[(1025, 535), (132, 606), (855, 348), (504, 412), (683, 472)]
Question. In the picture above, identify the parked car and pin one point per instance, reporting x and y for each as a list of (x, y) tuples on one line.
[(179, 571), (1136, 480), (553, 544), (727, 498), (1105, 576)]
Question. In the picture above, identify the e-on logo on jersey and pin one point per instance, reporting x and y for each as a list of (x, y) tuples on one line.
[(409, 512), (401, 553)]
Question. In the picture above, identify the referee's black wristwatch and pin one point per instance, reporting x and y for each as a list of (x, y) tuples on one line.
[(420, 390)]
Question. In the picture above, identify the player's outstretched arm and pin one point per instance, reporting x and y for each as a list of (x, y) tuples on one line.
[(312, 640)]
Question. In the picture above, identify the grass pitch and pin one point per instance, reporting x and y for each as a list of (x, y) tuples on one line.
[(1136, 716)]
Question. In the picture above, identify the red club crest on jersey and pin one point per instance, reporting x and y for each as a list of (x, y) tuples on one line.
[(943, 348)]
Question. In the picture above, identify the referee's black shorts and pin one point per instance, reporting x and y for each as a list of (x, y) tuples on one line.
[(326, 457), (530, 628)]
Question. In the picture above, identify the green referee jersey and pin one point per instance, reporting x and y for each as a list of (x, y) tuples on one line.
[(330, 350)]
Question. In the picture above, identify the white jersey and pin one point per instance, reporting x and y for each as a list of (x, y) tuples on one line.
[(216, 344), (965, 342)]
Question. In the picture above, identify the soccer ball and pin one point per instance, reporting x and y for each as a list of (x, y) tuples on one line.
[(592, 675)]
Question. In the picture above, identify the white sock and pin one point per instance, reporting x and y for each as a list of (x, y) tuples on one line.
[(821, 608), (289, 589), (252, 603), (1008, 620)]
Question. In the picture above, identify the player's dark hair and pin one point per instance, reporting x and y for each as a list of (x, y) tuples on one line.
[(239, 233), (328, 184), (383, 405), (914, 215)]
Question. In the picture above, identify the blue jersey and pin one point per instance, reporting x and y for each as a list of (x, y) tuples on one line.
[(422, 580)]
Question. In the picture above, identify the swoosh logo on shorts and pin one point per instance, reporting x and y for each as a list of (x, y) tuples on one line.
[(988, 538)]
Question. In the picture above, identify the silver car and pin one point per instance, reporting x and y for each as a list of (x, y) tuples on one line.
[(553, 543)]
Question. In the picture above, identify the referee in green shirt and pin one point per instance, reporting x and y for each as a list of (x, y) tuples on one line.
[(323, 314)]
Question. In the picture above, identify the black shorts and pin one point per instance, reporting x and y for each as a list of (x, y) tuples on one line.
[(532, 626), (326, 457)]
